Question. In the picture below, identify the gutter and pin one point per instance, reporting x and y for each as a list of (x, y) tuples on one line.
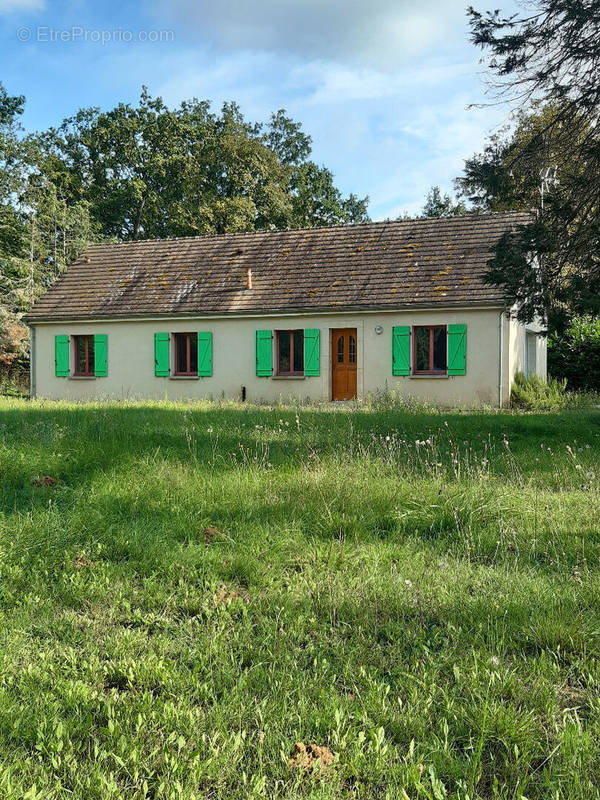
[(261, 314)]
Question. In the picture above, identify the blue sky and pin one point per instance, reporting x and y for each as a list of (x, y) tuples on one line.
[(382, 86)]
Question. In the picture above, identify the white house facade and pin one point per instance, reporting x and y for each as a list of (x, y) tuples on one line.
[(316, 315)]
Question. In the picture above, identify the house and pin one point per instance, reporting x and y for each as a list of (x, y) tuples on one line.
[(318, 314)]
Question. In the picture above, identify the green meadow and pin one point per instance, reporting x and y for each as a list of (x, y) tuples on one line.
[(187, 592)]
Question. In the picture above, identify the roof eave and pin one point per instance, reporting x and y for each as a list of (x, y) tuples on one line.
[(467, 305)]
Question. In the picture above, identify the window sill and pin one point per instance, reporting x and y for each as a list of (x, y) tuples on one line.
[(288, 377), (429, 377), (82, 377), (184, 377)]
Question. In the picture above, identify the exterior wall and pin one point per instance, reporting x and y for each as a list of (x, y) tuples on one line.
[(131, 359), (516, 342)]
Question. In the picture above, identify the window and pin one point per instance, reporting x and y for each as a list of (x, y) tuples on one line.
[(186, 354), (290, 352), (430, 350), (530, 353), (84, 356), (351, 349)]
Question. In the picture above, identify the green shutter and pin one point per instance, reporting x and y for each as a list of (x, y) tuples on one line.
[(161, 355), (101, 355), (264, 353), (401, 350), (457, 349), (61, 356), (205, 354), (312, 351)]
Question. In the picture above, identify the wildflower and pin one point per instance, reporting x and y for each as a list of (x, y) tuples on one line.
[(209, 430), (387, 438), (408, 583), (494, 661)]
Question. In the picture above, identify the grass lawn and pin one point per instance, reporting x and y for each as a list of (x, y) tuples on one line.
[(188, 591)]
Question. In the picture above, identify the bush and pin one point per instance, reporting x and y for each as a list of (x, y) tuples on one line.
[(535, 394), (16, 385), (574, 355), (14, 345)]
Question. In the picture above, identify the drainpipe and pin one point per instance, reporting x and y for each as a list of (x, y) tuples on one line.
[(32, 362), (500, 355)]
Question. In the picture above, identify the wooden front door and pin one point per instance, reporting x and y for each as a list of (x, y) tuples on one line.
[(343, 362)]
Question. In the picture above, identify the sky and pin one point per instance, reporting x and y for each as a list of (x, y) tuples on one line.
[(383, 87)]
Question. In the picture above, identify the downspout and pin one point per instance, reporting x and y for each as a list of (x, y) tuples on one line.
[(500, 355), (32, 362)]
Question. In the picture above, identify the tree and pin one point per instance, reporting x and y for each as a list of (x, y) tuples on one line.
[(563, 279), (153, 171), (439, 205), (40, 232), (13, 335), (287, 139), (316, 201), (11, 229), (547, 59), (551, 54)]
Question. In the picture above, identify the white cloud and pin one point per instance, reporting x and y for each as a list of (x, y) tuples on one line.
[(380, 33), (8, 6)]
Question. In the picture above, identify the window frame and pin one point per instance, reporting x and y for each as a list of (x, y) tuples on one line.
[(90, 371), (431, 370), (291, 373), (188, 335)]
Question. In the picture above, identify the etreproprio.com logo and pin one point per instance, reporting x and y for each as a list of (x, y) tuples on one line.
[(102, 36)]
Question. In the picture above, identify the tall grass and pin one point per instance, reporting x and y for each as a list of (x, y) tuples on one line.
[(533, 393), (198, 588)]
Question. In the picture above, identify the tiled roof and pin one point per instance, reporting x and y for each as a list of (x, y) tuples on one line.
[(420, 262)]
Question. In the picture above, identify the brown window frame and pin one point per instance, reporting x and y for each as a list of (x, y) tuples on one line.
[(90, 369), (188, 358), (291, 372), (431, 370)]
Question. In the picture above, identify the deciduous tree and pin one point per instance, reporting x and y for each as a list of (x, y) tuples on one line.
[(548, 61)]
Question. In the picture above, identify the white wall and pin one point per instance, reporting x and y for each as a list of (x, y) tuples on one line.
[(131, 359), (516, 340)]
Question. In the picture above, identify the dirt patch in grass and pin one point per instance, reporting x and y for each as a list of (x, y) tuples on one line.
[(83, 561), (571, 697), (46, 480), (212, 534), (225, 597), (307, 756)]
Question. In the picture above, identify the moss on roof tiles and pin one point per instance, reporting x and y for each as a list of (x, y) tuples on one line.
[(380, 254)]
